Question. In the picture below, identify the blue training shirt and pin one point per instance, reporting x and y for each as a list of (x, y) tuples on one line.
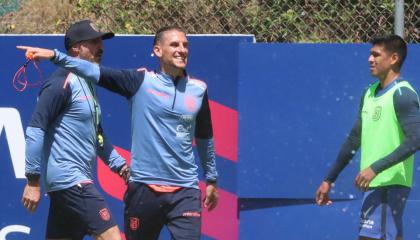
[(61, 136), (166, 115)]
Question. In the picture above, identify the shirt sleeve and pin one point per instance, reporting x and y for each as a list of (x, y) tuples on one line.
[(205, 142), (52, 99), (33, 152), (80, 67), (203, 126), (123, 82), (406, 106), (349, 148), (109, 155)]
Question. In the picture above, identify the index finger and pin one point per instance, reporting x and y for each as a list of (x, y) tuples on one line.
[(358, 179), (318, 195), (23, 47)]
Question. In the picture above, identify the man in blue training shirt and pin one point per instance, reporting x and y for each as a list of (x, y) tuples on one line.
[(63, 140), (169, 109)]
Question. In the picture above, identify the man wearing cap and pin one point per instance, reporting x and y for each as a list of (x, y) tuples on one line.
[(63, 140)]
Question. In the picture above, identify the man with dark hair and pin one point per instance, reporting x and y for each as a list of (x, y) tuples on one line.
[(387, 131), (169, 109), (393, 43), (63, 139)]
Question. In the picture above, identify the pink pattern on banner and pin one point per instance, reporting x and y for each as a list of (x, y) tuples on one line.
[(226, 209), (225, 130), (212, 225), (109, 181)]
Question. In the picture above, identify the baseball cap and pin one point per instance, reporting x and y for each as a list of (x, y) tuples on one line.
[(82, 31)]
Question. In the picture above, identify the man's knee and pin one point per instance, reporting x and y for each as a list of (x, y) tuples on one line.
[(112, 233)]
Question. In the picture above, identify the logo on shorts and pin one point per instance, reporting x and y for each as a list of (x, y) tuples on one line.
[(105, 214), (134, 223), (367, 223), (191, 214)]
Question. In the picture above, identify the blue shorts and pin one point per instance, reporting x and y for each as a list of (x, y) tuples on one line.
[(382, 211), (147, 211), (78, 211)]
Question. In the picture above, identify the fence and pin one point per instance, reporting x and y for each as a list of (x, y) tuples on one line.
[(7, 6), (268, 20), (272, 20)]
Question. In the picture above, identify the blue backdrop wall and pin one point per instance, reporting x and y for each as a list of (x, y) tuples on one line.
[(297, 103), (280, 113)]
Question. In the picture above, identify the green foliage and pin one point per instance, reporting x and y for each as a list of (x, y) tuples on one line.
[(7, 6), (268, 20)]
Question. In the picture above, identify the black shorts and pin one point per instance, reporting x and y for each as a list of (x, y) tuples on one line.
[(146, 211), (78, 211)]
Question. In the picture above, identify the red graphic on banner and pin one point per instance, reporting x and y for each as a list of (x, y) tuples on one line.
[(225, 129)]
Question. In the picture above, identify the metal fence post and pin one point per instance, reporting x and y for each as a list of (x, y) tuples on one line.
[(399, 18)]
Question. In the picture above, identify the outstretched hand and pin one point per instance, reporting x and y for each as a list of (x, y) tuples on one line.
[(322, 197), (35, 53)]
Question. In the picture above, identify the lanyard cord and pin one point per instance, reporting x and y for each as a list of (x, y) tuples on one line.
[(95, 104), (20, 79)]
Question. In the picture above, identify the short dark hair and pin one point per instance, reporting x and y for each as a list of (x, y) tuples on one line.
[(393, 44), (161, 31)]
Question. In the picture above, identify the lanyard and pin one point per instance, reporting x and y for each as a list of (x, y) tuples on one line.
[(95, 104), (20, 79), (96, 109)]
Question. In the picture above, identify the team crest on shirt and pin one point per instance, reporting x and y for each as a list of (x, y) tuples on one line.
[(183, 130), (377, 113), (104, 213), (190, 103), (134, 223)]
